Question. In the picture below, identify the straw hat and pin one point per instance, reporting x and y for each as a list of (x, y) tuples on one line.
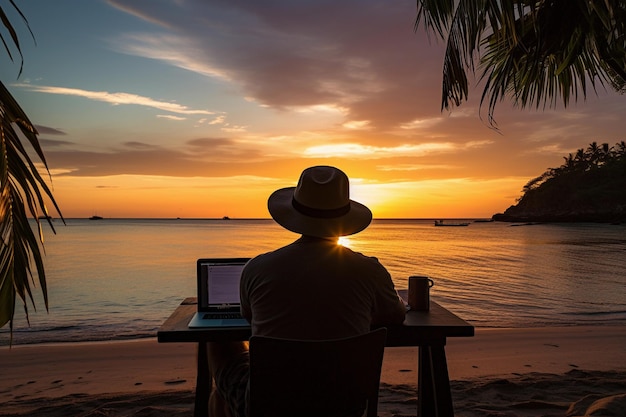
[(319, 205)]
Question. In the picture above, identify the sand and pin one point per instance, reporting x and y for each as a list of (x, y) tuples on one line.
[(569, 371)]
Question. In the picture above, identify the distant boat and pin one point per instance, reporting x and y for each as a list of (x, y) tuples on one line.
[(94, 217), (225, 218), (441, 223)]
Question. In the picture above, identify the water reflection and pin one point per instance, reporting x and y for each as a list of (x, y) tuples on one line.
[(489, 273)]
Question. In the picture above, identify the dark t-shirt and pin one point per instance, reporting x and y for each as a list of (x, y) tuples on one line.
[(316, 289)]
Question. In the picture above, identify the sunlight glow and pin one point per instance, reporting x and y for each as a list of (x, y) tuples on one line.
[(378, 152), (454, 197), (246, 196), (342, 149), (344, 241)]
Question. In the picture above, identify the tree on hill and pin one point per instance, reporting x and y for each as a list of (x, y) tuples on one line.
[(589, 186)]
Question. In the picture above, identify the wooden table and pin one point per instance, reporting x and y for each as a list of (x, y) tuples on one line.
[(426, 329)]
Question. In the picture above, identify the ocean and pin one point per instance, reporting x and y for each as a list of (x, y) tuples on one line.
[(117, 279)]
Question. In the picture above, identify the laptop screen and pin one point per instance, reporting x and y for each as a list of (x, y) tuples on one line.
[(218, 283)]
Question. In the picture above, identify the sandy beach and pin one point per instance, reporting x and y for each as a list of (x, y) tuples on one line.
[(562, 371)]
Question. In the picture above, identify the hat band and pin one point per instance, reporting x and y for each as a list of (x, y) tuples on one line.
[(320, 213)]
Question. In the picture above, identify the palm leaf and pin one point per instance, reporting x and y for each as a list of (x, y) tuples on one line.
[(14, 37), (23, 193), (533, 52)]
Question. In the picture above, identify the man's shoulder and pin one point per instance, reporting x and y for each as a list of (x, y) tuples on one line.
[(267, 257)]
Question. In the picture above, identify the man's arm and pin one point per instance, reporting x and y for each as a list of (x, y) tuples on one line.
[(389, 308), (392, 311)]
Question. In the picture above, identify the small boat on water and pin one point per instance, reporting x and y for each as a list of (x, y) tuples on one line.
[(442, 223), (94, 217)]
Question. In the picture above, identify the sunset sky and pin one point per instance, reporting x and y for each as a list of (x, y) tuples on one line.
[(195, 108)]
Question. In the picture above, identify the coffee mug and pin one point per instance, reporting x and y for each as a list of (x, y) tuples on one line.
[(419, 292)]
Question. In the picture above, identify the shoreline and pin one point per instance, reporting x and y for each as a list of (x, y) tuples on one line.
[(145, 373), (487, 329)]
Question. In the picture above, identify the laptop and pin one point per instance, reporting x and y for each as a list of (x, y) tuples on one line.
[(218, 293)]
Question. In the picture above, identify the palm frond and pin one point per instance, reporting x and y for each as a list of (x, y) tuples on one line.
[(13, 33), (23, 193), (22, 189), (534, 53)]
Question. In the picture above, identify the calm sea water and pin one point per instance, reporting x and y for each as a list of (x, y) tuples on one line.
[(120, 279)]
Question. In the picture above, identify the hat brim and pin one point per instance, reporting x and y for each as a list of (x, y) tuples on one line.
[(283, 212)]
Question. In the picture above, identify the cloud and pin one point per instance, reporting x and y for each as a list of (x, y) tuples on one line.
[(48, 143), (358, 55), (233, 128), (139, 145), (356, 150), (134, 159), (46, 130), (196, 157), (114, 98), (218, 120), (175, 50), (412, 167), (421, 123), (357, 124), (171, 117)]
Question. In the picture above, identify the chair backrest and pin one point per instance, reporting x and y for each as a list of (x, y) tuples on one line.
[(316, 378)]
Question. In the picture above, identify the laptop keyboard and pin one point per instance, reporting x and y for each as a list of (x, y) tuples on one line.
[(222, 316)]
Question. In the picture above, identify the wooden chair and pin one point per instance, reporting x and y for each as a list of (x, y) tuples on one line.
[(329, 378)]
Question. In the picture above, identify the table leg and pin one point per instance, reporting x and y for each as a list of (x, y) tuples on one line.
[(441, 381), (425, 392), (434, 398), (204, 383)]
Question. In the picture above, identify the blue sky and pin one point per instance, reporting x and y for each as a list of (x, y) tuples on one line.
[(194, 108)]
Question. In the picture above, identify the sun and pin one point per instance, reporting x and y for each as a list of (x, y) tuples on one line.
[(344, 241)]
